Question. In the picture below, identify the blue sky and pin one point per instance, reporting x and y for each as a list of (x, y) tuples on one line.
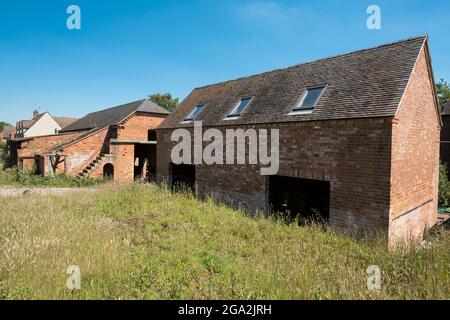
[(128, 49)]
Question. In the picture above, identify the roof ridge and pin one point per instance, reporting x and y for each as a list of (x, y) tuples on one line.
[(113, 115), (318, 60), (119, 106)]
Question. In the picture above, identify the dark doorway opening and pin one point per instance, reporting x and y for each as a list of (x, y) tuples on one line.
[(145, 162), (182, 177), (108, 171), (151, 135), (305, 199)]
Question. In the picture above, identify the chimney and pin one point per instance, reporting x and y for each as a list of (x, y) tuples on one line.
[(35, 113)]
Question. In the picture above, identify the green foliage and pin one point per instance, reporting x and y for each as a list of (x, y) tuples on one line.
[(2, 124), (5, 160), (140, 241), (211, 262), (444, 187), (30, 179), (164, 100), (443, 90), (7, 164)]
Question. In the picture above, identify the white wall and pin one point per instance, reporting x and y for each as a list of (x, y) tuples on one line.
[(46, 125)]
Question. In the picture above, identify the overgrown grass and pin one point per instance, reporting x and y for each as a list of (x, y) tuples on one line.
[(11, 177), (143, 242), (27, 179)]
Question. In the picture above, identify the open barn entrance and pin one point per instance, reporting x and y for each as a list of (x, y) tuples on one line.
[(182, 177), (309, 200), (144, 161)]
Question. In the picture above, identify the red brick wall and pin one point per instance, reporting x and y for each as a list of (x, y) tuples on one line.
[(136, 128), (354, 155), (44, 163), (28, 164), (415, 158), (81, 153), (39, 144), (30, 148), (122, 158), (98, 171), (124, 164)]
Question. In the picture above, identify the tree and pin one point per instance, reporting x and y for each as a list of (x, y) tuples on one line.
[(2, 124), (443, 91), (164, 100)]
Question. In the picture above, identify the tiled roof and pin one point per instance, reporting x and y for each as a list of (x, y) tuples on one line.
[(114, 116), (365, 83), (64, 121), (27, 124)]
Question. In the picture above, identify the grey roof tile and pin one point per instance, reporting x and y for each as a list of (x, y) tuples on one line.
[(365, 83), (64, 121), (114, 116)]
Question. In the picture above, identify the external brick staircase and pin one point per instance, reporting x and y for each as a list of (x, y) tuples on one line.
[(86, 172)]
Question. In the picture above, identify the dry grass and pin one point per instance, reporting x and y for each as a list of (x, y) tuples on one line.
[(141, 241)]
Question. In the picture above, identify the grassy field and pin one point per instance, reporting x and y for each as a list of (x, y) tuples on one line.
[(143, 242)]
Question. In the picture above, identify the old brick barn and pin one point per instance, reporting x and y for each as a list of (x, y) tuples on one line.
[(359, 140), (119, 142)]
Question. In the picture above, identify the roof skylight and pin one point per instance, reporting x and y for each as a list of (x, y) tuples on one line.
[(310, 98)]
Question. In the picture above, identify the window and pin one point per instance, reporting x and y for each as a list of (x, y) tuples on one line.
[(242, 104), (194, 112), (310, 98)]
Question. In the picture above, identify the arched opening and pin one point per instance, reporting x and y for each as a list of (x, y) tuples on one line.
[(108, 171)]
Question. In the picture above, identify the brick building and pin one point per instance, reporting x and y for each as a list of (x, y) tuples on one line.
[(445, 136), (358, 135), (24, 151), (119, 142)]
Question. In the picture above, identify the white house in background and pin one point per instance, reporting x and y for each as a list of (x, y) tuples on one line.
[(42, 124)]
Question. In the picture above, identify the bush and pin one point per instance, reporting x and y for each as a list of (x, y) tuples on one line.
[(444, 187), (5, 160)]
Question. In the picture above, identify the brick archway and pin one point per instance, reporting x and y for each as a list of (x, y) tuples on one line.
[(108, 171)]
